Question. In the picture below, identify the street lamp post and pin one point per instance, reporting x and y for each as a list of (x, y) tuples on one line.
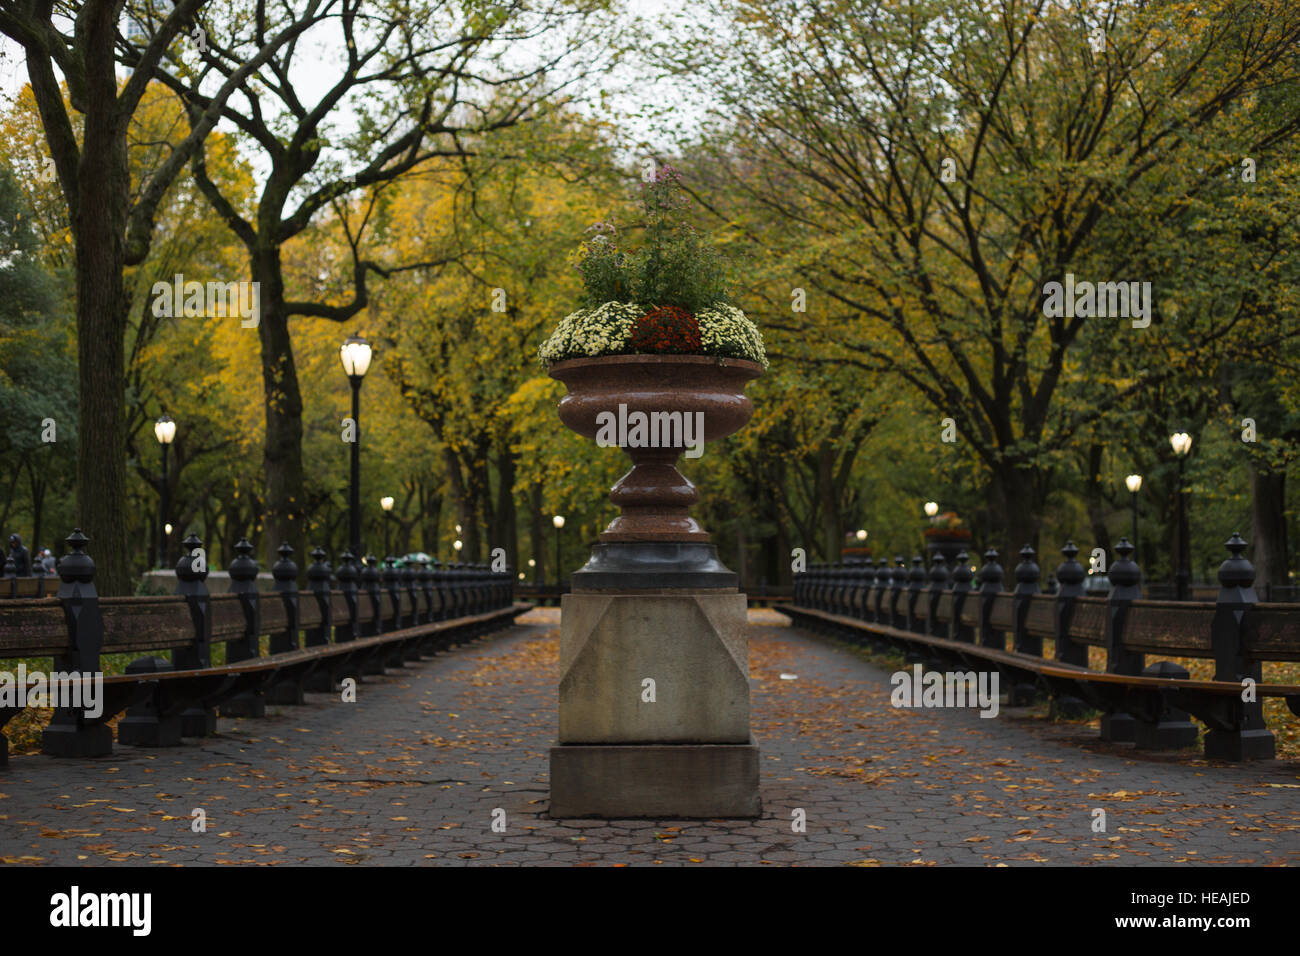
[(558, 521), (1181, 443), (355, 354), (386, 503), (931, 509), (1134, 483), (164, 429)]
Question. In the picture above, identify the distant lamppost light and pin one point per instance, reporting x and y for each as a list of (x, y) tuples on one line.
[(164, 429), (1134, 483), (386, 503), (531, 563), (558, 521), (457, 544), (1181, 443), (931, 508), (861, 534), (355, 353), (458, 529)]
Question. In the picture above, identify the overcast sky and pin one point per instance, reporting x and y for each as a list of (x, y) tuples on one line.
[(630, 86)]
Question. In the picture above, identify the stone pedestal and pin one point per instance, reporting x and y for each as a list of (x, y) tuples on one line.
[(654, 687), (654, 706), (675, 781)]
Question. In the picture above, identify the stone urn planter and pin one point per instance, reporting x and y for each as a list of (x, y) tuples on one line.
[(655, 406), (654, 496), (654, 659)]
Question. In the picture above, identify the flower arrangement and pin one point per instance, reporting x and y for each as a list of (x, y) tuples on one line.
[(668, 297), (667, 330), (947, 525)]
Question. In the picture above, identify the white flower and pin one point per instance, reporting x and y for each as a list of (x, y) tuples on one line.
[(603, 330), (560, 344), (607, 329), (724, 330)]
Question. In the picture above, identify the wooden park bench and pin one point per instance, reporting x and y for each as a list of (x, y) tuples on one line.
[(940, 619), (347, 623), (549, 594)]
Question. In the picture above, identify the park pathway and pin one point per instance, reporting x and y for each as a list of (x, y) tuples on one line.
[(417, 770)]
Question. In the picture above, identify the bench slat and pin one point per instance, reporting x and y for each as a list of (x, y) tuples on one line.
[(1002, 615), (145, 624), (32, 627), (1181, 628), (1040, 621), (227, 617), (1088, 625), (274, 616), (1273, 632)]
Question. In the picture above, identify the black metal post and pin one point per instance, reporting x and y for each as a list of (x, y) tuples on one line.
[(559, 575), (1243, 735), (354, 503), (1184, 576), (1117, 724), (1135, 524), (162, 523), (70, 733)]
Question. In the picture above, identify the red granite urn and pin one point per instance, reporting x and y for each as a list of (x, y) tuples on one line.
[(655, 407)]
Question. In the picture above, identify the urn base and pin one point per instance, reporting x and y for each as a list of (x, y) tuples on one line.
[(641, 565)]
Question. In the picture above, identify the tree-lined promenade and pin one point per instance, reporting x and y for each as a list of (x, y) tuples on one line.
[(440, 767), (930, 212)]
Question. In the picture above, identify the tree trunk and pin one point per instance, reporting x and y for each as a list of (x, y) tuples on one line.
[(784, 575), (832, 532), (1097, 507), (481, 487), (742, 553), (1016, 513), (431, 518), (38, 486), (1268, 527), (538, 535), (506, 534), (283, 520), (466, 514), (232, 529), (98, 227), (9, 500)]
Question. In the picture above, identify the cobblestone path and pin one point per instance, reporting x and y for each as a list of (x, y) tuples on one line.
[(416, 771)]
